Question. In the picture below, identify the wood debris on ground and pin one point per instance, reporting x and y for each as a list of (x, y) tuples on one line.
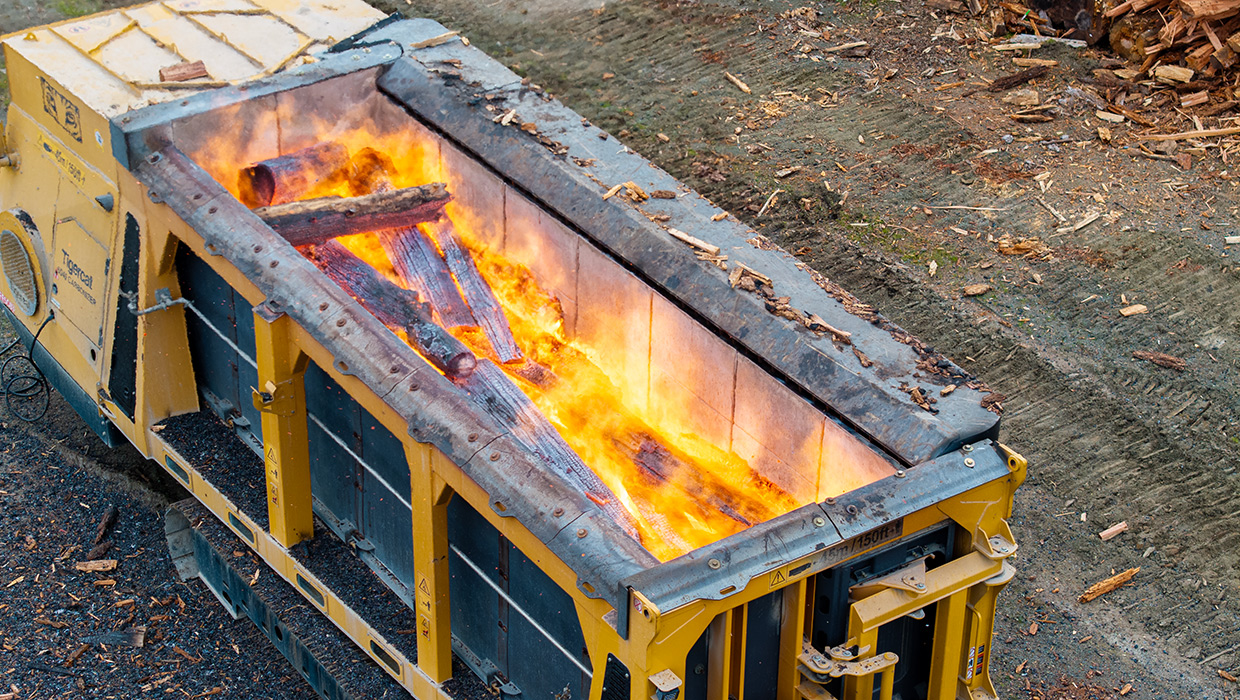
[(1114, 531), (1161, 359), (1107, 585)]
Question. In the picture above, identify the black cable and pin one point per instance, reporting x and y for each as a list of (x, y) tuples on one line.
[(27, 386)]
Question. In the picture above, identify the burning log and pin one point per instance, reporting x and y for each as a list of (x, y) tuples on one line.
[(496, 394), (394, 306), (478, 294), (659, 463), (288, 177), (314, 221), (418, 262)]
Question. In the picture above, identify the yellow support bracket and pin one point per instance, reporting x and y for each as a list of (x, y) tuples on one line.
[(282, 402), (430, 560)]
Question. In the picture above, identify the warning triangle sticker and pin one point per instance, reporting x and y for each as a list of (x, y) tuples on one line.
[(777, 578), (423, 587)]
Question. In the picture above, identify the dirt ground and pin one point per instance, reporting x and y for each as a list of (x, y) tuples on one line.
[(904, 179)]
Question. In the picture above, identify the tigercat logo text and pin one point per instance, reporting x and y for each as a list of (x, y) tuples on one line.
[(73, 273)]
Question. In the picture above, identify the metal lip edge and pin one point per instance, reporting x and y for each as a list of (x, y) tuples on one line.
[(795, 536), (130, 151), (506, 478), (666, 265)]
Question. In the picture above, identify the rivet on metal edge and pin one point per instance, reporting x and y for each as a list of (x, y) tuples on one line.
[(558, 512), (473, 437), (494, 456), (852, 510), (340, 323), (900, 473), (968, 462), (819, 521), (714, 563), (414, 386), (582, 533), (966, 448), (323, 306)]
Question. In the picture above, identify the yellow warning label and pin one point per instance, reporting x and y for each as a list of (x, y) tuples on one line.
[(424, 593), (777, 577)]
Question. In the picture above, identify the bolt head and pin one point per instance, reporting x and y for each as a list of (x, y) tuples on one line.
[(819, 521), (714, 563), (968, 462), (582, 533)]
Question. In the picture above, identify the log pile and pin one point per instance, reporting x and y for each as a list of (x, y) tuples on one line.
[(1190, 46)]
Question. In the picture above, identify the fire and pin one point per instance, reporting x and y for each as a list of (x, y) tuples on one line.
[(682, 491)]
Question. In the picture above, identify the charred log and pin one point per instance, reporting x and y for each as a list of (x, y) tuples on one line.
[(418, 262), (314, 221), (486, 309), (394, 307), (504, 401), (289, 177)]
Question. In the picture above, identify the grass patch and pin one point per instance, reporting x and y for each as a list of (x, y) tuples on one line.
[(77, 8)]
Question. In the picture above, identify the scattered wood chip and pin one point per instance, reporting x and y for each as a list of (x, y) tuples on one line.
[(1109, 116), (1134, 309), (1084, 639), (973, 290), (815, 323), (57, 624), (76, 654), (1021, 667), (663, 194), (846, 47), (1033, 628), (1107, 585), (863, 358), (1198, 134), (105, 523), (96, 565), (1161, 359), (613, 191), (183, 71), (788, 171), (1171, 75), (1227, 676), (1114, 531), (693, 241), (947, 390), (608, 76), (1126, 689), (663, 137), (1033, 62), (436, 40), (740, 84), (1007, 82)]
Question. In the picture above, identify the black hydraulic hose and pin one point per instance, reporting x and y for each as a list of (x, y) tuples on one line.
[(24, 388)]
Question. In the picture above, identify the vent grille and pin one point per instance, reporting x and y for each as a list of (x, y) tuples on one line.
[(18, 273), (617, 681)]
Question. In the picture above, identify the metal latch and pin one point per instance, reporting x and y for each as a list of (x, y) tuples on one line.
[(819, 669), (275, 398), (911, 578)]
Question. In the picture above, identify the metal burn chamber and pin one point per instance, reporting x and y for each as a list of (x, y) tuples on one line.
[(749, 418)]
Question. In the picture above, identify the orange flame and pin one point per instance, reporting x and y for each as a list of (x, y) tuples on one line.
[(683, 491)]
